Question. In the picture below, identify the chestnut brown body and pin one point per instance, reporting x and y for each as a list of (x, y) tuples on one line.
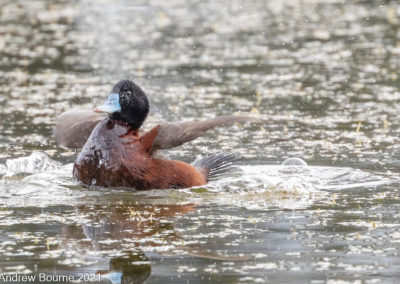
[(115, 155)]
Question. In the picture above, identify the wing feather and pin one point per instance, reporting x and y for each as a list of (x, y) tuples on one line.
[(74, 127), (170, 135)]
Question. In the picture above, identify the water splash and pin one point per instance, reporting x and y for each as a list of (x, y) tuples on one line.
[(294, 162), (36, 180), (287, 186), (291, 185), (35, 163)]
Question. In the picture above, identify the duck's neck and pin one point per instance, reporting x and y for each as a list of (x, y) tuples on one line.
[(125, 128), (134, 120)]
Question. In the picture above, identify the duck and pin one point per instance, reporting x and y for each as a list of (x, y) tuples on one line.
[(117, 152)]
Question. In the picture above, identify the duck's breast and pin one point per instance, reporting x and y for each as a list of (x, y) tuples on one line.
[(108, 156)]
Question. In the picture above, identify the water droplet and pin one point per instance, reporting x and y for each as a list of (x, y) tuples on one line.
[(294, 162)]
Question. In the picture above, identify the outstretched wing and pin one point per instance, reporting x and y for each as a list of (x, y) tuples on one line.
[(170, 135), (74, 127)]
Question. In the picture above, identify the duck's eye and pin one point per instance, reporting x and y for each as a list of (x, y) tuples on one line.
[(122, 98), (124, 95)]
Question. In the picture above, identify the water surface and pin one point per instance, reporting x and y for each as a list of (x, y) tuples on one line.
[(323, 73)]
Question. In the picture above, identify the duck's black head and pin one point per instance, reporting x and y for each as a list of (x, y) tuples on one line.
[(127, 103)]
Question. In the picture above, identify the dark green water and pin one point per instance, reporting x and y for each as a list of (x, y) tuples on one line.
[(323, 73)]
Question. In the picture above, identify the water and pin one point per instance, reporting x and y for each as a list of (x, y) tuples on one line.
[(323, 73)]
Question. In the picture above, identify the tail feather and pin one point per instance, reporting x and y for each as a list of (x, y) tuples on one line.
[(215, 164)]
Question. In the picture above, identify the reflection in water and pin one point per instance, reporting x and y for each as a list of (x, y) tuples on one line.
[(126, 231), (122, 230), (128, 270), (135, 222)]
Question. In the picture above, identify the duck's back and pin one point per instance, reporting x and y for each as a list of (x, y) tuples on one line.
[(115, 156)]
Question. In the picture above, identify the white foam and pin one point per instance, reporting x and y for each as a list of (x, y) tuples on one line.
[(254, 187), (35, 163)]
